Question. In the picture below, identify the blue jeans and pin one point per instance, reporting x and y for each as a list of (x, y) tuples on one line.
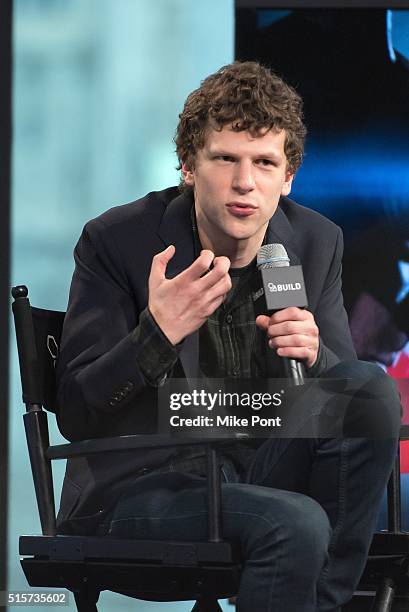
[(304, 511)]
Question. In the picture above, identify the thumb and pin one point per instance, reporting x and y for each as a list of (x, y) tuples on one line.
[(159, 265), (262, 321)]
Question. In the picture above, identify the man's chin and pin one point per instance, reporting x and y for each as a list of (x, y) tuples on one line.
[(241, 233)]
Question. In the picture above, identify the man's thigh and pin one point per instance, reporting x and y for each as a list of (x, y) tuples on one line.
[(174, 506), (284, 464)]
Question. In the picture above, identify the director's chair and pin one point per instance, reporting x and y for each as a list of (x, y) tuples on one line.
[(204, 571)]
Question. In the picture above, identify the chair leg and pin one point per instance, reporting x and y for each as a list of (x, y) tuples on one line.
[(207, 604), (384, 596), (86, 600)]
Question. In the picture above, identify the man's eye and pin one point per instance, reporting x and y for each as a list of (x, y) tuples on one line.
[(225, 158), (265, 162)]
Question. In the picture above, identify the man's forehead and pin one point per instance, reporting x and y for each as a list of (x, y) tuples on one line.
[(265, 137)]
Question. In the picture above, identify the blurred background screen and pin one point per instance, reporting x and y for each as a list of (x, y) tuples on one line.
[(351, 67)]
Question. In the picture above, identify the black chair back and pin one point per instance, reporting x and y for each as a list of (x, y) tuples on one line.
[(47, 331), (38, 338)]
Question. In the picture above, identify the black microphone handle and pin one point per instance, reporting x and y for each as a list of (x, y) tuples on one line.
[(294, 370)]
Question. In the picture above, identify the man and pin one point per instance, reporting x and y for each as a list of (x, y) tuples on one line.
[(166, 287)]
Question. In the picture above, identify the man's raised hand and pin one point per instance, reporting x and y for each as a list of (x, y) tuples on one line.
[(182, 304)]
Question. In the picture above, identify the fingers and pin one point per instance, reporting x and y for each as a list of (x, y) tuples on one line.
[(296, 346), (293, 313), (212, 288), (220, 289), (295, 340), (263, 321), (219, 272), (200, 273), (287, 321), (213, 305), (159, 265), (286, 315), (292, 328), (198, 268), (293, 333), (180, 305), (301, 353)]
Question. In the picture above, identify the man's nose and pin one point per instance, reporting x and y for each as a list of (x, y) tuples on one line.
[(243, 179)]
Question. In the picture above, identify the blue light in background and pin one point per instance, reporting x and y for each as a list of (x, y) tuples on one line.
[(266, 17), (400, 32), (355, 172)]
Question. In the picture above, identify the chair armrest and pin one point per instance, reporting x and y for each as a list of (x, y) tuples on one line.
[(122, 443)]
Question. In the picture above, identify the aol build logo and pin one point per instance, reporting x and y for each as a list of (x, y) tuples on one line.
[(284, 287)]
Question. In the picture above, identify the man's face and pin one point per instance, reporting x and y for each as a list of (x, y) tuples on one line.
[(237, 183)]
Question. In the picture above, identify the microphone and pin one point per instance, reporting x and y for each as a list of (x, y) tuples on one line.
[(283, 286)]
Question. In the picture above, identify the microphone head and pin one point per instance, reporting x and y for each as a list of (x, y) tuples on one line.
[(272, 256)]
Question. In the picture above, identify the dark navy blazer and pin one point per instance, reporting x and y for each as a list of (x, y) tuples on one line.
[(101, 390)]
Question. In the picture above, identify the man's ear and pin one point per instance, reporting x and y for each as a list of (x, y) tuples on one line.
[(286, 188), (188, 175)]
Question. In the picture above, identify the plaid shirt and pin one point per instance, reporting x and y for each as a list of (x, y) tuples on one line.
[(230, 346), (230, 343)]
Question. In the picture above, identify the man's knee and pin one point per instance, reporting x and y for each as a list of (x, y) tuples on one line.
[(355, 368), (310, 525), (373, 407), (303, 525)]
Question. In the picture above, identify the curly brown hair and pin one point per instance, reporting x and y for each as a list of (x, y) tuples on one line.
[(247, 96)]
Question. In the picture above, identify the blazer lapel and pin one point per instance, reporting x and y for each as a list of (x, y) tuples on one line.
[(280, 231), (176, 229)]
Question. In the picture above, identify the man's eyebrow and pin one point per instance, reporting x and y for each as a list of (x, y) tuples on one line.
[(269, 155), (259, 155), (219, 151)]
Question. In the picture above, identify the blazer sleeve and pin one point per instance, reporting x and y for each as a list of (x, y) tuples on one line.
[(331, 318), (104, 357)]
